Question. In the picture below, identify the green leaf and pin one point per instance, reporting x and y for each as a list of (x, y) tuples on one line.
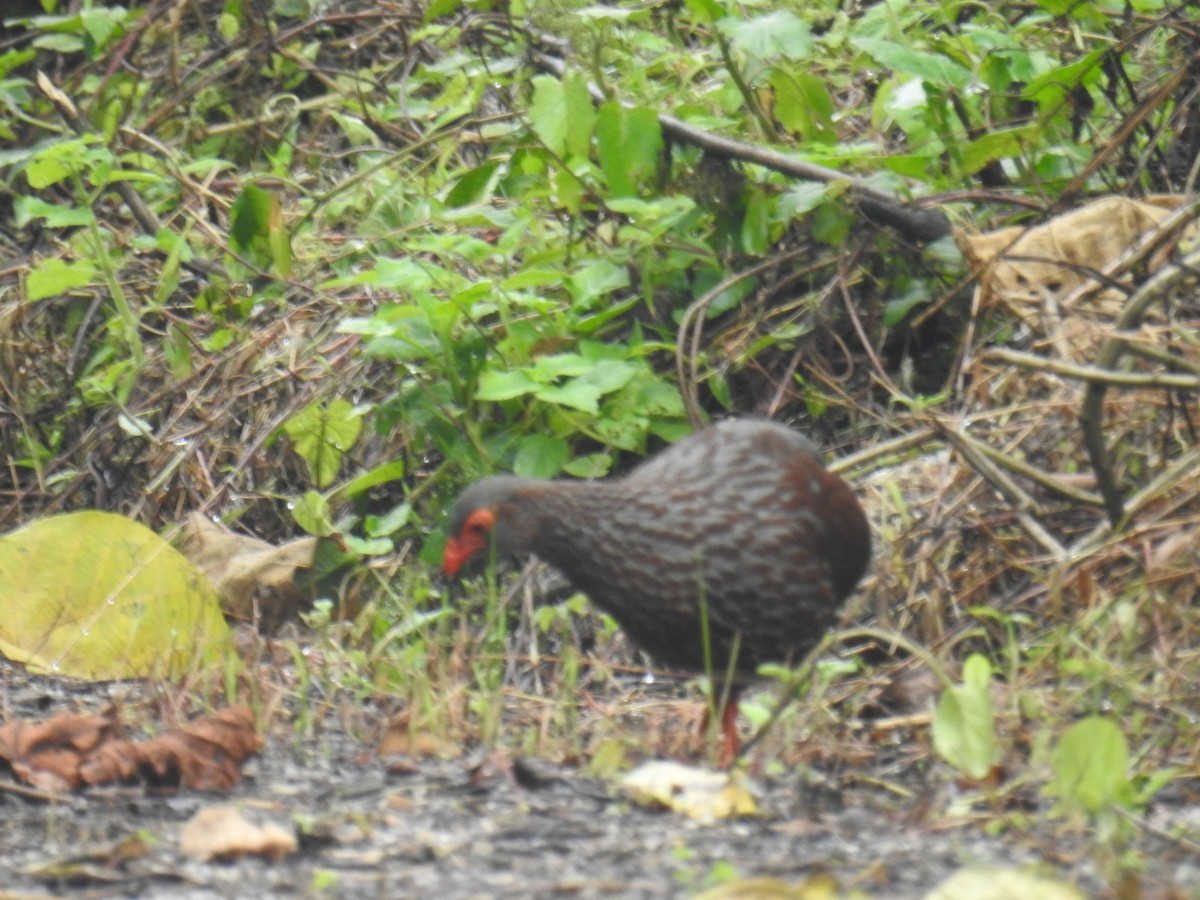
[(1091, 767), (102, 24), (898, 307), (934, 68), (562, 115), (98, 596), (575, 394), (756, 224), (540, 456), (494, 385), (384, 474), (1000, 144), (1049, 88), (28, 208), (312, 513), (378, 526), (706, 11), (964, 730), (256, 229), (475, 186), (51, 277), (629, 147), (61, 160), (777, 35), (803, 105), (322, 435), (599, 277)]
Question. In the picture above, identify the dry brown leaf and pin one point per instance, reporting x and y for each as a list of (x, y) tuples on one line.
[(69, 751), (1034, 270), (204, 755), (48, 755), (251, 576), (222, 832)]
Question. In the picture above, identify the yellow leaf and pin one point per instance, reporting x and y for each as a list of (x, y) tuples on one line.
[(97, 596), (698, 793)]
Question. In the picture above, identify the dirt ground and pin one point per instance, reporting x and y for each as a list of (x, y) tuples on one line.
[(487, 825)]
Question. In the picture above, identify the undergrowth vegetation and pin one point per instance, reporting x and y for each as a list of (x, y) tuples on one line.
[(313, 266)]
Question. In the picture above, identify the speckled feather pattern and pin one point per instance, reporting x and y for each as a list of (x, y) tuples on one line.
[(741, 518)]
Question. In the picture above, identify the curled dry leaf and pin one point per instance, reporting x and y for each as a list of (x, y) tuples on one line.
[(252, 578), (222, 832), (48, 755), (70, 751)]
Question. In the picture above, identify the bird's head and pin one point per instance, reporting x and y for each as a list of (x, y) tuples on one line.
[(488, 514)]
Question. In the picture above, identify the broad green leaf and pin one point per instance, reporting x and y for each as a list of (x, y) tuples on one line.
[(706, 11), (610, 374), (257, 231), (540, 456), (98, 596), (599, 277), (102, 23), (378, 526), (1000, 144), (629, 147), (776, 35), (896, 308), (389, 471), (494, 385), (474, 186), (575, 394), (964, 730), (322, 435), (312, 513), (51, 277), (56, 216), (803, 105), (1049, 88), (592, 465), (53, 163), (562, 114), (933, 68), (559, 365), (1091, 767)]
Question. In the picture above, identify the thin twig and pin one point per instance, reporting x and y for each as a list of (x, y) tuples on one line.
[(1092, 374)]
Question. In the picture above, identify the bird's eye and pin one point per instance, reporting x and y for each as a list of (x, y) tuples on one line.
[(477, 527)]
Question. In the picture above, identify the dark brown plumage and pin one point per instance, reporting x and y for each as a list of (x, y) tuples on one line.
[(741, 520)]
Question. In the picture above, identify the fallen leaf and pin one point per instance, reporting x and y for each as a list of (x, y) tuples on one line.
[(993, 883), (222, 832), (47, 755), (254, 579), (70, 751), (818, 887), (204, 755), (1042, 274), (704, 795), (96, 595)]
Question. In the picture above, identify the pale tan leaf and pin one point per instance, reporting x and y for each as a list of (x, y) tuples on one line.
[(222, 832), (699, 793)]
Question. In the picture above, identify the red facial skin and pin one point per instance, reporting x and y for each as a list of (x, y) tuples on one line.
[(472, 538)]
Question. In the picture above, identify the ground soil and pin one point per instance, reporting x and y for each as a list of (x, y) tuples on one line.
[(488, 824)]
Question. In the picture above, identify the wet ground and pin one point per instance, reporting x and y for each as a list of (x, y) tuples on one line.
[(491, 825)]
